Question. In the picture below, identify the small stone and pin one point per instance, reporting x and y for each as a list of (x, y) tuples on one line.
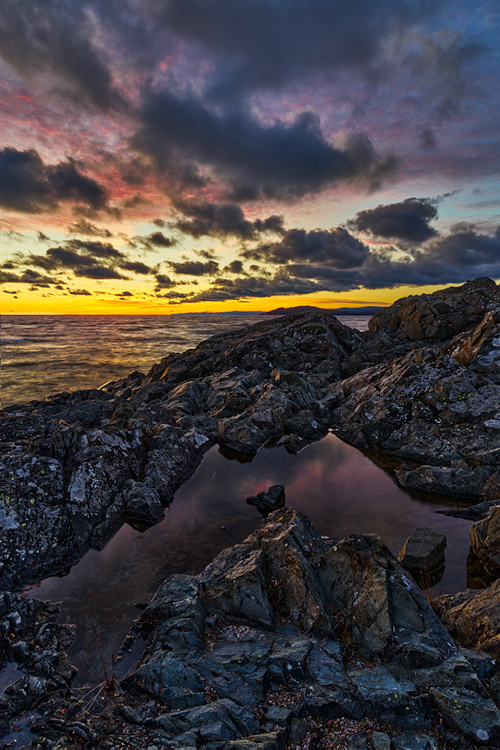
[(381, 741), (411, 741)]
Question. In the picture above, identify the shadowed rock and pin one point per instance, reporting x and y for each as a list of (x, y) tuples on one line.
[(268, 501), (423, 552)]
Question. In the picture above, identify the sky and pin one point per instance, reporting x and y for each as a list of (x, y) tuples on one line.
[(165, 156)]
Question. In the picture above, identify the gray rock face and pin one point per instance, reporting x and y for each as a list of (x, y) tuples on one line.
[(423, 551), (485, 536), (439, 316), (30, 637), (473, 617), (430, 409)]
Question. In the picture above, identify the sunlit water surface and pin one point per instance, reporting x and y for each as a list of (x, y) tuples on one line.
[(48, 354)]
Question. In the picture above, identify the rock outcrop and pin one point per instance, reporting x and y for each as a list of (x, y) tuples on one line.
[(473, 617), (76, 465), (288, 634)]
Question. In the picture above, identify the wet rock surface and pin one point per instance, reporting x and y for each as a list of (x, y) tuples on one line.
[(288, 639)]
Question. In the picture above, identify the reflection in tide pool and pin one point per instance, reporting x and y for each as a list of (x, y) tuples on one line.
[(334, 484)]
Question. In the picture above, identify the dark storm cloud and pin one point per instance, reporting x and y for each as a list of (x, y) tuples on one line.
[(83, 292), (89, 258), (259, 43), (466, 248), (195, 268), (252, 158), (153, 241), (281, 284), (98, 272), (54, 38), (82, 226), (452, 259), (335, 247), (65, 258), (136, 267), (27, 277), (222, 220), (236, 266), (407, 221), (163, 282), (29, 185), (96, 249)]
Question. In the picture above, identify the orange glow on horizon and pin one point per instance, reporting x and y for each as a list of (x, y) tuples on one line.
[(29, 303)]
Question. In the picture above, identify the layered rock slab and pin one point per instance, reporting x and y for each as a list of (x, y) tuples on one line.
[(288, 610)]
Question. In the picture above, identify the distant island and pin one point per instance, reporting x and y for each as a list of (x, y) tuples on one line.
[(334, 311)]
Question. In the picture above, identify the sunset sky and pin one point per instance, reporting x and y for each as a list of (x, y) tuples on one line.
[(163, 156)]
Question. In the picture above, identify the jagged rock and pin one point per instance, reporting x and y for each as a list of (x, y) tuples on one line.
[(381, 741), (268, 501), (473, 617), (485, 536), (412, 741), (437, 316), (235, 583), (216, 680), (387, 615), (429, 409), (423, 551), (31, 636), (476, 717), (479, 349)]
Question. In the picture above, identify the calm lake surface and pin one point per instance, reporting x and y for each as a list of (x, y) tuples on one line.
[(335, 485), (48, 354)]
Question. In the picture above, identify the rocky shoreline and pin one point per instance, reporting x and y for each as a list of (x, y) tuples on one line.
[(421, 389)]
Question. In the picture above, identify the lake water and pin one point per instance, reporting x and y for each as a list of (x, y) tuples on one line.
[(48, 354)]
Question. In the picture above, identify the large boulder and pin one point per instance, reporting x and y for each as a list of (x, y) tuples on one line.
[(429, 409), (473, 617), (438, 316)]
